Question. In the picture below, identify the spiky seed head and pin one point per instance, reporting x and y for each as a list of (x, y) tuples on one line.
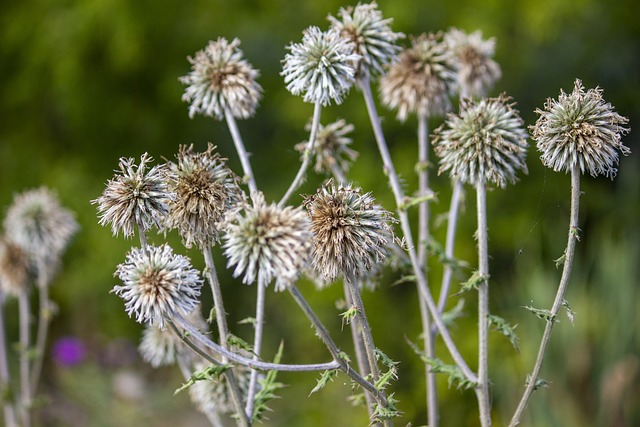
[(221, 80), (371, 36), (331, 148), (134, 198), (38, 224), (321, 67), (212, 395), (485, 142), (472, 56), (15, 269), (580, 129), (267, 243), (157, 284), (421, 80), (351, 233), (204, 191)]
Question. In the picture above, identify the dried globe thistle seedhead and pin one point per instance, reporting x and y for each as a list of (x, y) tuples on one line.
[(220, 80), (134, 198), (350, 232), (321, 67), (580, 129), (212, 395), (472, 56), (157, 284), (40, 226), (421, 80), (371, 36), (331, 149), (267, 243), (204, 192), (485, 142), (15, 269)]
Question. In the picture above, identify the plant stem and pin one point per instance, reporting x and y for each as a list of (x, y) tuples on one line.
[(223, 331), (423, 236), (406, 230), (559, 299), (257, 347), (365, 329), (5, 380), (25, 385), (242, 152), (43, 325), (452, 222), (308, 154), (482, 389)]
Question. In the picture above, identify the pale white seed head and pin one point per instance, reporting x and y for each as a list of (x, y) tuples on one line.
[(331, 149)]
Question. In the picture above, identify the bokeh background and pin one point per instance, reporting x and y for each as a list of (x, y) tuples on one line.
[(85, 82)]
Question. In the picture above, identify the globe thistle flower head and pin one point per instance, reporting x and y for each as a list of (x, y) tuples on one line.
[(157, 284), (331, 148), (371, 36), (204, 191), (472, 56), (39, 225), (221, 80), (580, 129), (134, 198), (321, 67), (268, 243), (485, 142), (421, 80), (15, 270), (350, 232)]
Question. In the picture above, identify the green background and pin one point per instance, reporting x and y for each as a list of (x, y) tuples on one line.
[(85, 82)]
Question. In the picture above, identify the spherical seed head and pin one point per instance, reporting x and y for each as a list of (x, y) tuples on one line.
[(472, 56), (212, 395), (350, 232), (421, 80), (580, 129), (157, 284), (39, 225), (204, 191), (485, 142), (331, 149), (321, 67), (371, 36), (220, 80), (134, 198), (14, 269), (268, 243)]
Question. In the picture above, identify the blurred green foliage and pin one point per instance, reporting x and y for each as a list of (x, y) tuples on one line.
[(84, 82)]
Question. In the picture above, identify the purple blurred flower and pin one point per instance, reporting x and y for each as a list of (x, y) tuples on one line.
[(69, 351)]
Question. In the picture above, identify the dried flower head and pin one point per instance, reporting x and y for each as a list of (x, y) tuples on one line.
[(212, 395), (485, 142), (371, 36), (421, 80), (134, 198), (331, 149), (157, 284), (268, 243), (350, 232), (477, 72), (204, 191), (321, 67), (580, 129), (39, 225), (14, 269), (221, 80)]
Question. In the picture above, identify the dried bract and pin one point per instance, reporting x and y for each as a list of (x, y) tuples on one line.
[(14, 269)]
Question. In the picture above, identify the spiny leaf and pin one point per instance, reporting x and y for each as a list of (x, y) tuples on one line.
[(381, 413), (473, 282), (455, 375), (543, 314), (436, 249), (570, 313), (575, 232), (384, 359), (410, 202), (500, 325), (235, 341), (386, 378), (348, 315), (324, 380), (209, 372), (357, 399), (268, 387), (540, 382), (560, 260)]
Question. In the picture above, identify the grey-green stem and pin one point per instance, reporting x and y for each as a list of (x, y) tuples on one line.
[(559, 299), (46, 312), (240, 149), (257, 347), (25, 383), (452, 222), (5, 379)]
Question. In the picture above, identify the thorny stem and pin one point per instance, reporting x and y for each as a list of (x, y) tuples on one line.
[(559, 299), (240, 149), (365, 329), (25, 385), (452, 222), (482, 390), (257, 347), (406, 230), (307, 156), (43, 325), (5, 381), (223, 332), (423, 235)]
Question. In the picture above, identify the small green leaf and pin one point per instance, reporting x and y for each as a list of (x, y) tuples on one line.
[(410, 202), (448, 317), (455, 375), (237, 342), (500, 325), (474, 282), (268, 387), (543, 314), (560, 260), (248, 320), (348, 315), (381, 413), (357, 399), (208, 373), (324, 380), (540, 382), (384, 359), (570, 313), (410, 278)]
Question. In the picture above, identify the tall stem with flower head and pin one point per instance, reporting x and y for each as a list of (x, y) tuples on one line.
[(241, 150), (44, 318), (25, 343)]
